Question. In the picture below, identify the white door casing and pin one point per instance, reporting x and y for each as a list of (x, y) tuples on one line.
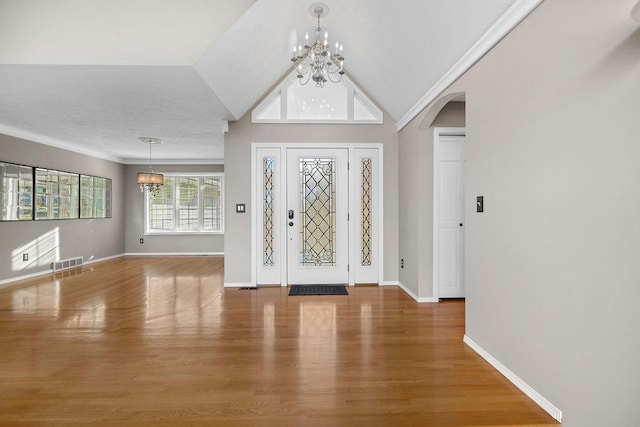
[(273, 170), (449, 213)]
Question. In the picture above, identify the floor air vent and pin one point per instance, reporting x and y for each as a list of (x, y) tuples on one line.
[(63, 264)]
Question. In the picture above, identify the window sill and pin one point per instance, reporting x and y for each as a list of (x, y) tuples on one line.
[(183, 233)]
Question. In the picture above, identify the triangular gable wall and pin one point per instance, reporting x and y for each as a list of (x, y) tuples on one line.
[(291, 102)]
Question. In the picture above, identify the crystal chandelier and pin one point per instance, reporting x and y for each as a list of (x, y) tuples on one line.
[(150, 181), (317, 62)]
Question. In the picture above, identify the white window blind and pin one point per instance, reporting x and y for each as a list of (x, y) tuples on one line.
[(186, 204)]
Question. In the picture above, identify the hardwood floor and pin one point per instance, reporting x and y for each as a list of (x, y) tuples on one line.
[(159, 341)]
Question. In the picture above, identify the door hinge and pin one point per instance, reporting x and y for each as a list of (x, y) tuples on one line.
[(348, 217), (348, 165), (348, 267)]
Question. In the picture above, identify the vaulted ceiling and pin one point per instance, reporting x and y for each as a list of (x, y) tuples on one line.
[(94, 75)]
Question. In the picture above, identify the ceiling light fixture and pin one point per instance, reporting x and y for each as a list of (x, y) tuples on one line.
[(150, 181), (316, 62)]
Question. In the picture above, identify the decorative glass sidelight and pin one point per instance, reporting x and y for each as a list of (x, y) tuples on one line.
[(268, 211), (317, 212), (366, 210)]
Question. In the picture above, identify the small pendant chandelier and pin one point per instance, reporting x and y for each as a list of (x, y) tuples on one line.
[(316, 62), (150, 181)]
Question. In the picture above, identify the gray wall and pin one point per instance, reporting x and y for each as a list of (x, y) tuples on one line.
[(415, 155), (89, 238), (237, 153), (552, 275), (134, 228)]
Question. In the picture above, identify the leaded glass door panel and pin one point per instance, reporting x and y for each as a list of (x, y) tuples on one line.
[(317, 216), (364, 219), (270, 257)]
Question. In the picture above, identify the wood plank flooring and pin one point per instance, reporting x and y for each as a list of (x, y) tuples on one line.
[(159, 341)]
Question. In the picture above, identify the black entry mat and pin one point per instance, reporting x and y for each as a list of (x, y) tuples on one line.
[(301, 290)]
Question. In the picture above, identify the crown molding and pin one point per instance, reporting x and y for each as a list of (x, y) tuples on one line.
[(512, 17), (157, 162), (53, 142)]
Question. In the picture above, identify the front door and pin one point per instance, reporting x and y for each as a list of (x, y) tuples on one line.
[(319, 190), (317, 216)]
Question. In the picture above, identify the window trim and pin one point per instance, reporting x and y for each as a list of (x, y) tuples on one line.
[(148, 232)]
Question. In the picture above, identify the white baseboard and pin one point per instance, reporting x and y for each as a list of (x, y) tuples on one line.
[(389, 283), (239, 285), (24, 277), (416, 297), (517, 381), (49, 271), (93, 261), (174, 254)]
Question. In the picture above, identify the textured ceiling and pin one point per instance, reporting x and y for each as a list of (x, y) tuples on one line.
[(93, 75), (113, 32)]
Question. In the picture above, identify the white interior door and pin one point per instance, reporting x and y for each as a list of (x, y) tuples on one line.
[(450, 216), (317, 216)]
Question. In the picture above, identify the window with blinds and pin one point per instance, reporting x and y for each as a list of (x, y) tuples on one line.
[(186, 204)]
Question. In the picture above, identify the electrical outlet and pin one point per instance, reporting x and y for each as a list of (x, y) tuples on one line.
[(25, 257), (141, 241), (401, 262)]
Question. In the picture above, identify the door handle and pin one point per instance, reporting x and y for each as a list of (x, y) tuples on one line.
[(290, 213)]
